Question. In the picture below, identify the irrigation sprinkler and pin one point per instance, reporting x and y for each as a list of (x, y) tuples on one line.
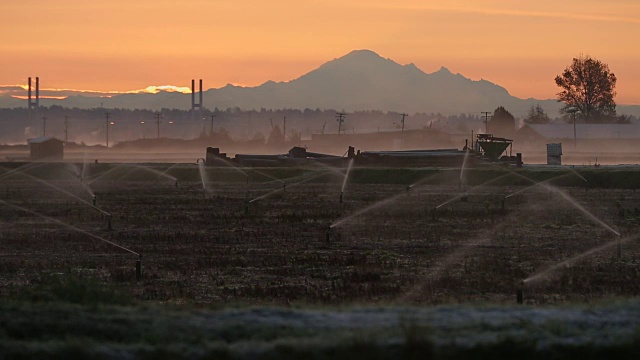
[(94, 199), (138, 262), (619, 247), (341, 193), (520, 293), (284, 186), (139, 268), (328, 235), (109, 227), (503, 198), (176, 182), (434, 214)]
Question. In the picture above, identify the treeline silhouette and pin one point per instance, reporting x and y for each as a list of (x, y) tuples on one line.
[(90, 125)]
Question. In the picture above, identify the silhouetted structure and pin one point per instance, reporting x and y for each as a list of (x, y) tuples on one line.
[(46, 148), (195, 105), (34, 104)]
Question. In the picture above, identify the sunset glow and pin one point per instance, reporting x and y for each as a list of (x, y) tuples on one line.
[(119, 46)]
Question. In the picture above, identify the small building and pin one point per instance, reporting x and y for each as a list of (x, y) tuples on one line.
[(554, 154), (545, 132), (46, 148)]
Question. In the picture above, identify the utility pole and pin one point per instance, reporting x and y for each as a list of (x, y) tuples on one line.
[(340, 119), (487, 115), (211, 128), (66, 129), (284, 129), (403, 116), (573, 110), (44, 126), (402, 121), (107, 115), (158, 116)]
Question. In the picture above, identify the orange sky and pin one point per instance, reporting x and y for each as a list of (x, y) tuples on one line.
[(123, 45)]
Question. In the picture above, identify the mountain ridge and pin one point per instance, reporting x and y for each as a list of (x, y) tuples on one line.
[(359, 80)]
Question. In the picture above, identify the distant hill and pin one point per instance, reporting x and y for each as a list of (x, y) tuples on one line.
[(360, 80)]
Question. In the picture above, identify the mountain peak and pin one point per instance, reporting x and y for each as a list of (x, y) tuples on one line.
[(362, 54), (443, 70)]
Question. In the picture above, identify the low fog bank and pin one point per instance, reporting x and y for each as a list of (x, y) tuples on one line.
[(584, 152)]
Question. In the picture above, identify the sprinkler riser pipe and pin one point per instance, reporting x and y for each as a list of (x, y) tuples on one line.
[(138, 270), (340, 198), (520, 296)]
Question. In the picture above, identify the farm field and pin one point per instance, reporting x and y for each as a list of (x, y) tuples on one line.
[(281, 237)]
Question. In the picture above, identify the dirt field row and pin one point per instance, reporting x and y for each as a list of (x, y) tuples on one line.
[(387, 245)]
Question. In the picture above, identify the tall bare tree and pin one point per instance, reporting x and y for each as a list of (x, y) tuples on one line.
[(588, 89)]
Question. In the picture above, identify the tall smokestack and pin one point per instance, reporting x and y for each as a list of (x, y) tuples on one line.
[(200, 103), (193, 94), (37, 92), (29, 96)]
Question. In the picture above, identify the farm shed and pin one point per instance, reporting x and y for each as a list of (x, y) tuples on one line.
[(46, 148)]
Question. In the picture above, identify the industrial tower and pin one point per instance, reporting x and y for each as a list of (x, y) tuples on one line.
[(195, 105)]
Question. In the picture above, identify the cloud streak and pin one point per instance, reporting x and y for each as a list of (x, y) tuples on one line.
[(19, 91), (512, 12)]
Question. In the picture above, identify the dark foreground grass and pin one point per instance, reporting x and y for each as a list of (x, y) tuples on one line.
[(59, 330)]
